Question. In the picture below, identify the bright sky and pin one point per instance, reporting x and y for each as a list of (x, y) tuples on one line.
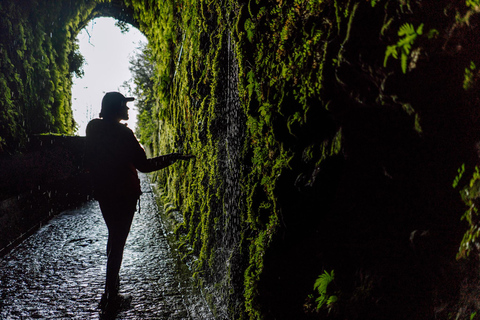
[(107, 52)]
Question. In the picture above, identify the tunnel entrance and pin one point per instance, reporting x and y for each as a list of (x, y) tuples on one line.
[(107, 47)]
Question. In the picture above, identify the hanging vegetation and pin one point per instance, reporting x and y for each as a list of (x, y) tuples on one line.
[(38, 58)]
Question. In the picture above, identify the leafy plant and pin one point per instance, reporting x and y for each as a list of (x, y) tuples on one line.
[(469, 78), (124, 26), (76, 62), (457, 179), (322, 285), (143, 71), (474, 4), (404, 46), (471, 197)]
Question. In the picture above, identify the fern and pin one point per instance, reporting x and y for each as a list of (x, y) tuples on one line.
[(323, 281), (391, 51), (321, 285), (404, 45)]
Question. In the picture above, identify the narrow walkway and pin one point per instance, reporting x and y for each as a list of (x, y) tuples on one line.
[(58, 273)]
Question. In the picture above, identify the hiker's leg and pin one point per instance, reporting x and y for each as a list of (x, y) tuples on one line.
[(118, 216)]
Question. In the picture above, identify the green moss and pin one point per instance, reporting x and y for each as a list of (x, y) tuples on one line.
[(192, 121), (38, 57)]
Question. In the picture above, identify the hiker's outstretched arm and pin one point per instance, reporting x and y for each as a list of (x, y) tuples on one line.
[(157, 163)]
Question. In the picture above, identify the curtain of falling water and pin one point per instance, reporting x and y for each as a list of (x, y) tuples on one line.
[(232, 123), (233, 145)]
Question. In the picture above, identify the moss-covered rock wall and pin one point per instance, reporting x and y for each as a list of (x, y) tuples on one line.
[(327, 136), (353, 118)]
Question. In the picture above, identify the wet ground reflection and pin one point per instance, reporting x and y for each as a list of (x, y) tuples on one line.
[(58, 273)]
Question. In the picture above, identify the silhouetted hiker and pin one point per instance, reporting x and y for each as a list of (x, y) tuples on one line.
[(112, 156)]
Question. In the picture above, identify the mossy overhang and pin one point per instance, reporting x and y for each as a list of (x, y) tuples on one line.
[(116, 9)]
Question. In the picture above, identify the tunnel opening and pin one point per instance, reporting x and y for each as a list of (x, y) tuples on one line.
[(109, 48)]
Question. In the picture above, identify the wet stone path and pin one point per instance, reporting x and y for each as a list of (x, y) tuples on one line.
[(58, 273)]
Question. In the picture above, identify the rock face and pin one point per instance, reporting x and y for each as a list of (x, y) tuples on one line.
[(328, 135)]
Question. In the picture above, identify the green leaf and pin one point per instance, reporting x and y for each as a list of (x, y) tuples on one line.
[(432, 33), (391, 51), (323, 281), (320, 302), (420, 29), (407, 41), (406, 49), (404, 62), (249, 28), (331, 300), (406, 29), (457, 179)]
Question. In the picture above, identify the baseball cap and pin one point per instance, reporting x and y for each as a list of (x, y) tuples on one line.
[(112, 103)]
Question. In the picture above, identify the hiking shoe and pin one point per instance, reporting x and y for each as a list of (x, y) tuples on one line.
[(115, 301)]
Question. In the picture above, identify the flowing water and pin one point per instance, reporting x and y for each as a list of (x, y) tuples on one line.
[(228, 259)]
